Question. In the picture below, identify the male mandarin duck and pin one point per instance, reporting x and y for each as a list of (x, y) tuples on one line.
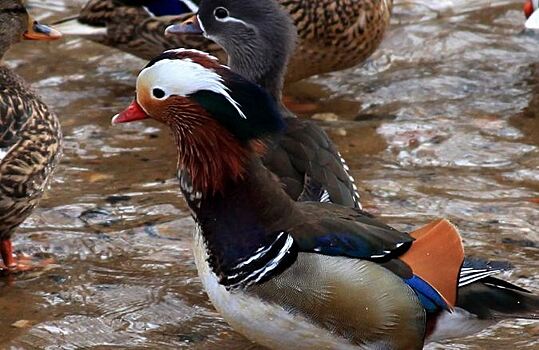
[(303, 275), (333, 34), (30, 134), (304, 158), (532, 15)]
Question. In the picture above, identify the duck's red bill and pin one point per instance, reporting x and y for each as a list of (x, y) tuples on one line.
[(132, 113), (528, 8)]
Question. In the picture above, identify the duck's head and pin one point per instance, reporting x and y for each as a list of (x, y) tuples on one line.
[(16, 25), (218, 118), (258, 36), (531, 13)]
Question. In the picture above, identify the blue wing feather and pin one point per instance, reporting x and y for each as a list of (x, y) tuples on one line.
[(167, 7), (431, 300), (341, 231)]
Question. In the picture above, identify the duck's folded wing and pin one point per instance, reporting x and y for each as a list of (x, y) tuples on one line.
[(13, 116), (341, 231), (352, 303), (428, 260), (30, 137), (310, 167)]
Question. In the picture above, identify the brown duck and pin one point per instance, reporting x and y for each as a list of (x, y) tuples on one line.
[(30, 135), (332, 34)]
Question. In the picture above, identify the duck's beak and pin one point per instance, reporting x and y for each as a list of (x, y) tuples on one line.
[(38, 31), (189, 26), (130, 114), (528, 8)]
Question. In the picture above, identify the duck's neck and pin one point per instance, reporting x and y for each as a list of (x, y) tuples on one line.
[(210, 164), (247, 214), (270, 76), (258, 68)]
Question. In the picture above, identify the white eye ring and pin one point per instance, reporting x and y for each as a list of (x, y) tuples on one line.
[(158, 93), (220, 13)]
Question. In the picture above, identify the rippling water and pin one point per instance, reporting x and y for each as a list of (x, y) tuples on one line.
[(442, 121)]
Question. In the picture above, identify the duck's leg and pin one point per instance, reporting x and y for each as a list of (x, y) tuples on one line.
[(6, 251), (21, 263)]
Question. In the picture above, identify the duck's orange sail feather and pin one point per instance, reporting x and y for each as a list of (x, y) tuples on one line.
[(437, 256)]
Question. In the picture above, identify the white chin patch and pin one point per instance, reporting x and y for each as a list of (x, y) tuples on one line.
[(533, 21)]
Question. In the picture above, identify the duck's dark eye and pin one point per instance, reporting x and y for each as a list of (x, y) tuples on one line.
[(158, 93), (220, 13)]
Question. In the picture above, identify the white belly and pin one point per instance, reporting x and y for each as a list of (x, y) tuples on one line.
[(266, 324)]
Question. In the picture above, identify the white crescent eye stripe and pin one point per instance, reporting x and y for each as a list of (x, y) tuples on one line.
[(235, 20), (183, 77), (224, 20)]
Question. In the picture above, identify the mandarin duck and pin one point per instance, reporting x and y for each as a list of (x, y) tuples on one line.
[(531, 14), (30, 134), (303, 275), (304, 158), (332, 34)]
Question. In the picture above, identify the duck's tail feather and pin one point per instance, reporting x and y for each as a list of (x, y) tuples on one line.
[(481, 304), (492, 298), (482, 300)]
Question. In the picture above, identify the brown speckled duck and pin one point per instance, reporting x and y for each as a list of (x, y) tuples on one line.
[(135, 27), (333, 34), (30, 135)]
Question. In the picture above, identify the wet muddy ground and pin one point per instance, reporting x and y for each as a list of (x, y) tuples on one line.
[(443, 121)]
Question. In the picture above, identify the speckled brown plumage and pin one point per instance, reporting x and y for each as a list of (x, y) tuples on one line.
[(333, 34), (132, 29), (30, 138), (30, 135)]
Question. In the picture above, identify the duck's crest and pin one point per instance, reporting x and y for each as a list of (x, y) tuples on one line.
[(195, 52), (187, 71)]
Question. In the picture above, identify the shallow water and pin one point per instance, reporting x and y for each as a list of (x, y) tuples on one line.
[(443, 121)]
